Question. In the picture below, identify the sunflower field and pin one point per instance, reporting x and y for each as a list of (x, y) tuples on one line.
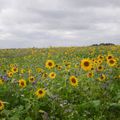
[(65, 83)]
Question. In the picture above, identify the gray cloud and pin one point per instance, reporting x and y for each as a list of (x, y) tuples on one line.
[(44, 23)]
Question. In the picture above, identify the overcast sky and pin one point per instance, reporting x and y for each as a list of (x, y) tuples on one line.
[(44, 23)]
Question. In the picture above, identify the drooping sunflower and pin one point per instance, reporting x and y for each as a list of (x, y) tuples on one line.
[(1, 105), (112, 62), (73, 81), (31, 79), (40, 92), (22, 83), (86, 64), (52, 75), (49, 64)]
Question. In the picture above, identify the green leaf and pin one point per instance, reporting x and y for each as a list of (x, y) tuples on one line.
[(28, 118)]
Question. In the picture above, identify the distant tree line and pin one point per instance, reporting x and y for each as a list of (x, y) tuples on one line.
[(103, 44)]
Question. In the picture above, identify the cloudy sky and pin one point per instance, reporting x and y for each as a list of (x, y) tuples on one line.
[(44, 23)]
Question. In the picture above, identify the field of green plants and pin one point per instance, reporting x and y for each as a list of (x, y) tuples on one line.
[(66, 83)]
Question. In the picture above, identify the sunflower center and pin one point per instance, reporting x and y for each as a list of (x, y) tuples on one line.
[(90, 74), (31, 79), (0, 104), (109, 57), (50, 64), (86, 63), (73, 80), (111, 61), (22, 83), (100, 67), (14, 69), (52, 75), (40, 91)]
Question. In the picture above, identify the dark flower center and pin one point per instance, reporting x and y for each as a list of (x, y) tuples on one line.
[(111, 61), (50, 64), (86, 63), (0, 104), (40, 91), (22, 83), (73, 80), (109, 57)]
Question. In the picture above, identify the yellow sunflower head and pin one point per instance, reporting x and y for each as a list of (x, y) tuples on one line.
[(73, 81), (102, 77), (22, 83), (100, 68), (112, 62), (10, 74), (40, 93), (49, 64), (90, 74), (100, 57), (52, 75), (86, 64), (109, 56), (31, 79), (14, 69)]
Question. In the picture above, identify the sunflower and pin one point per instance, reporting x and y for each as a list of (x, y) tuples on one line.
[(100, 61), (112, 62), (90, 74), (100, 68), (73, 81), (14, 69), (31, 79), (1, 105), (49, 64), (102, 77), (110, 56), (100, 57), (59, 67), (52, 75), (40, 93), (10, 74), (86, 64), (22, 83)]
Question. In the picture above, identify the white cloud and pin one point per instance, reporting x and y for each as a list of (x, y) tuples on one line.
[(44, 23)]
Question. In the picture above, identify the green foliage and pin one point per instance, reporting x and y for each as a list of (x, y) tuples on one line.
[(92, 99)]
